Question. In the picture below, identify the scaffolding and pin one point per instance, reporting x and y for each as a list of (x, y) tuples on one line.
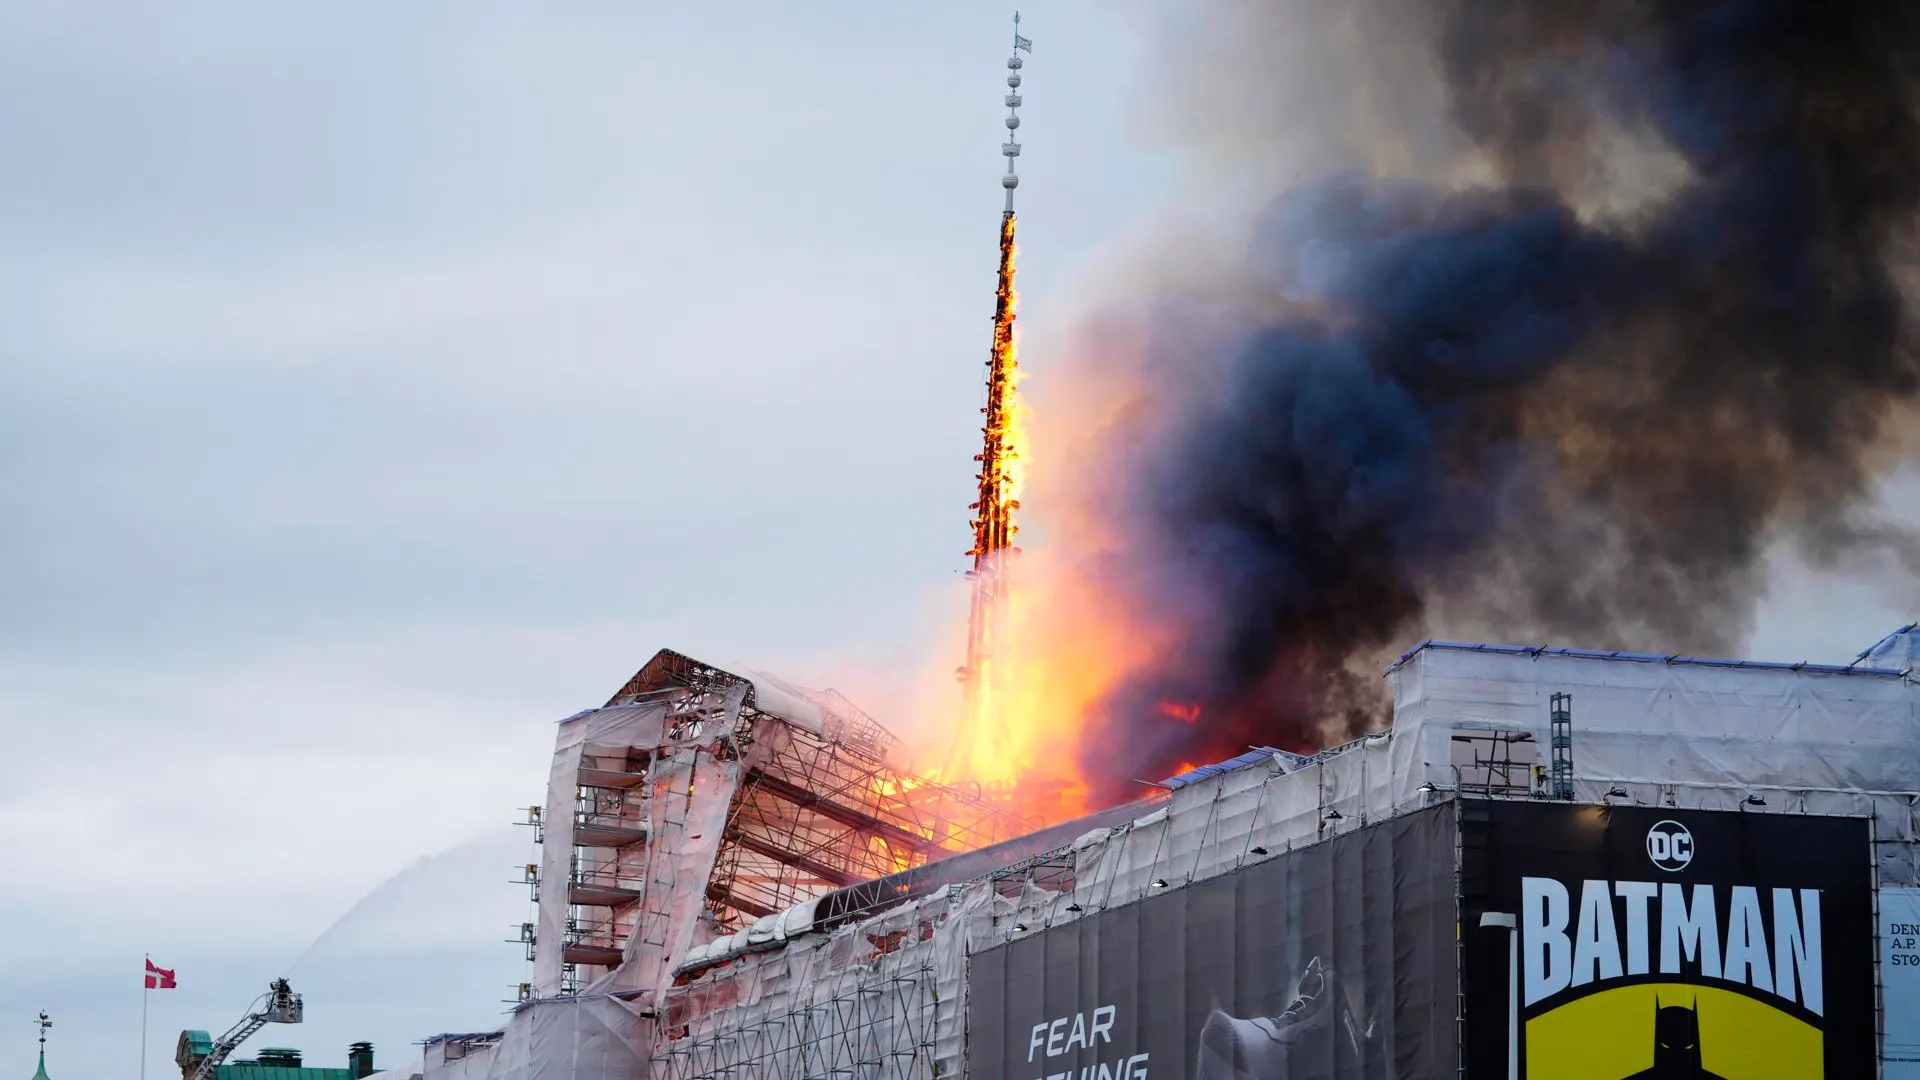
[(884, 1001), (1560, 734), (606, 866), (819, 815), (747, 793), (1485, 763), (882, 1027)]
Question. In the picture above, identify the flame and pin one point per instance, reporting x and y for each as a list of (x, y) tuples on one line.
[(1013, 415), (994, 749), (1024, 742), (1062, 639), (1187, 712)]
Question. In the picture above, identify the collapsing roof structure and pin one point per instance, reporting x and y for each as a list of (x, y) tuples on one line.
[(736, 882), (698, 803)]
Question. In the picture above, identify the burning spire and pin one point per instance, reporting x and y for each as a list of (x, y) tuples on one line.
[(988, 631)]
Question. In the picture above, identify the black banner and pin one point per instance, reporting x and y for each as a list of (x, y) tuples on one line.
[(1606, 943), (1333, 961)]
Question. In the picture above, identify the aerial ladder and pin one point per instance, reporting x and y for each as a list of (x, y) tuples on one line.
[(199, 1056)]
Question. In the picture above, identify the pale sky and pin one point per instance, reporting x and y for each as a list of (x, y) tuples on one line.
[(385, 382)]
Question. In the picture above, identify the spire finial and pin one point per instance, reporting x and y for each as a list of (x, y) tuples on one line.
[(43, 1023), (1011, 148)]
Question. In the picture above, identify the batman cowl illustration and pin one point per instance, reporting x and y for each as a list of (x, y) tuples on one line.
[(1317, 1022), (1676, 1045)]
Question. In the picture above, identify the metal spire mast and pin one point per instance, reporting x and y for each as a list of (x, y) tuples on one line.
[(1011, 148), (993, 526)]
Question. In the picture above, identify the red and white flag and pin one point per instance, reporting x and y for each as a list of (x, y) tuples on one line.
[(159, 978)]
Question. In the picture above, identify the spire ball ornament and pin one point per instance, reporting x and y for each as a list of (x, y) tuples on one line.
[(1011, 148)]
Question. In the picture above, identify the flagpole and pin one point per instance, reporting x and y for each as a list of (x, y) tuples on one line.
[(146, 993)]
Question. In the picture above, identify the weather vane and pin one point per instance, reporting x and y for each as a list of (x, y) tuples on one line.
[(43, 1024)]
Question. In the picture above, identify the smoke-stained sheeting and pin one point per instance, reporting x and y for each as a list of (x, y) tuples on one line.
[(1779, 984), (1356, 934), (867, 898), (1519, 403)]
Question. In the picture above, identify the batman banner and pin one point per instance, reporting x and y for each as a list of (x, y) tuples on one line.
[(1330, 961), (1636, 943)]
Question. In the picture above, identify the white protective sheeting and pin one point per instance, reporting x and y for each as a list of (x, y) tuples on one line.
[(1668, 731), (1900, 650), (413, 1071), (609, 732), (589, 1037), (884, 999), (1664, 732), (1654, 721), (681, 856), (789, 701), (1223, 822)]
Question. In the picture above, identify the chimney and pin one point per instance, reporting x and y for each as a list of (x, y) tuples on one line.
[(360, 1060)]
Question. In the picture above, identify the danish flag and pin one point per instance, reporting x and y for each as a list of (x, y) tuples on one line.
[(159, 978)]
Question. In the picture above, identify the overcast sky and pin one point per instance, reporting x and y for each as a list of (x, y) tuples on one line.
[(383, 382)]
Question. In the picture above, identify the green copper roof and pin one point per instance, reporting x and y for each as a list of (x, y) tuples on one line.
[(41, 1073), (248, 1070)]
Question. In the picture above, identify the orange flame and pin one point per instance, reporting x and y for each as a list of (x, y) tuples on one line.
[(1186, 712), (1062, 640), (993, 749)]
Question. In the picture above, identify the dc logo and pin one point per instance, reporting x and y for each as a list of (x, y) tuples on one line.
[(1670, 846)]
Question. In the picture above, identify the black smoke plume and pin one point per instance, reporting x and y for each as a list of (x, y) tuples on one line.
[(1514, 404)]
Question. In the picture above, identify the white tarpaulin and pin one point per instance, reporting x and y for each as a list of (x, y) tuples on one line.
[(1900, 980), (1670, 721)]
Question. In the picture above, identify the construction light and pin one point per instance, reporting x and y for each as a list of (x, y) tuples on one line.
[(1425, 788), (1259, 851), (1159, 883)]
